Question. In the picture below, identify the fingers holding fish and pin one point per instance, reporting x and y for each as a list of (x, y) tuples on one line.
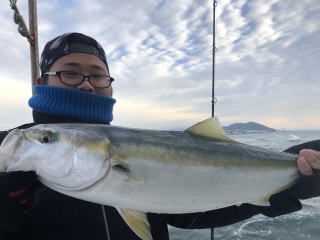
[(308, 161)]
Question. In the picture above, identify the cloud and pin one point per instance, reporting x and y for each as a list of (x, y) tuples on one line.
[(268, 71), (131, 112), (13, 98), (159, 51)]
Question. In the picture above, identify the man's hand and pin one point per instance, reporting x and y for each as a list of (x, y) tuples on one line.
[(308, 161)]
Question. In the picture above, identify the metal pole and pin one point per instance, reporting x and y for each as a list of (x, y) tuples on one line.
[(34, 49), (214, 100)]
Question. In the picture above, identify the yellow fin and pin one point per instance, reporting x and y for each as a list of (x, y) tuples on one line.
[(264, 201), (138, 222), (209, 128)]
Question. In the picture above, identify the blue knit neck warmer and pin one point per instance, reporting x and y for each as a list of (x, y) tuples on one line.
[(72, 103)]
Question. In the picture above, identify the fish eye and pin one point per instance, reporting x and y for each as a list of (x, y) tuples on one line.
[(47, 137)]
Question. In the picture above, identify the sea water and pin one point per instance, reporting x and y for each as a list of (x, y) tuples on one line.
[(301, 225)]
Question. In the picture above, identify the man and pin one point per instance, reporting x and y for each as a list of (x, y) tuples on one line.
[(75, 86)]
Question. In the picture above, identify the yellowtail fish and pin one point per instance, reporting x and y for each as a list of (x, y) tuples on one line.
[(139, 171)]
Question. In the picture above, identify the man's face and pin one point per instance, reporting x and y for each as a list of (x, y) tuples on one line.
[(86, 64)]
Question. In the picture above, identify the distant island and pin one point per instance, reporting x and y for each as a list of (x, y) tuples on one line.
[(247, 127)]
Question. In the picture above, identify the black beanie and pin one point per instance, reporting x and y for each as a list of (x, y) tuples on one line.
[(69, 43)]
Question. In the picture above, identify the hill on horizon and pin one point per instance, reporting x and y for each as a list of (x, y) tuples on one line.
[(249, 126)]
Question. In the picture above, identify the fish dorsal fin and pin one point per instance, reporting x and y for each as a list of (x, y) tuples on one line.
[(138, 222), (209, 128)]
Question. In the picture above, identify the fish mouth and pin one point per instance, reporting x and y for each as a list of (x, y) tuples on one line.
[(10, 149)]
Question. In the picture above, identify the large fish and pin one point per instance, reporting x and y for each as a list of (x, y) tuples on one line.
[(139, 171)]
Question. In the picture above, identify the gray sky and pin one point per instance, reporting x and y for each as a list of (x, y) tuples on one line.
[(159, 52)]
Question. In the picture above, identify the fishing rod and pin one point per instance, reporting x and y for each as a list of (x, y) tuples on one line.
[(214, 49), (31, 35)]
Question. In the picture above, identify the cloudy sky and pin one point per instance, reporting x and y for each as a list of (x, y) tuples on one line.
[(160, 53)]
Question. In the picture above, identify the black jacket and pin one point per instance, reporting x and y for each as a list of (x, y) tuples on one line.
[(58, 216)]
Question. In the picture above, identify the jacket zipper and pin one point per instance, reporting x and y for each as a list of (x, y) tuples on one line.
[(105, 222)]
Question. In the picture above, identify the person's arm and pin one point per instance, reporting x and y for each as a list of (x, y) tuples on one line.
[(281, 203), (215, 218), (309, 166), (307, 187), (18, 192)]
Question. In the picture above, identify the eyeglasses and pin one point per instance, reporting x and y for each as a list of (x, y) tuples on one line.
[(75, 79)]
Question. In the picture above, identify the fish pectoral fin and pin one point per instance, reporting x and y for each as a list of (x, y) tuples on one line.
[(121, 168), (125, 171), (138, 222), (209, 128)]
